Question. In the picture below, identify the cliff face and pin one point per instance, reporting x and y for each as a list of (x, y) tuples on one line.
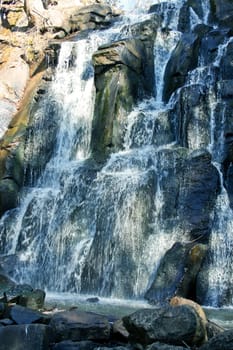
[(28, 54)]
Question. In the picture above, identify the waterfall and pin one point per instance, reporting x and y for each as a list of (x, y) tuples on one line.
[(79, 226), (102, 226)]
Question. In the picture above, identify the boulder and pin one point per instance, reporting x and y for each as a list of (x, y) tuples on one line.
[(223, 341), (172, 325), (176, 301), (119, 331), (13, 294), (213, 329), (23, 315), (162, 346), (176, 273), (91, 17), (32, 299), (26, 337), (75, 18), (81, 345), (76, 325)]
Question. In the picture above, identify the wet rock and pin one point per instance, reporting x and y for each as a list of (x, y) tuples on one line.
[(210, 43), (173, 325), (226, 68), (213, 329), (91, 17), (176, 273), (191, 8), (119, 330), (183, 59), (6, 322), (23, 315), (26, 337), (222, 341), (113, 348), (222, 11), (191, 107), (70, 345), (119, 80), (199, 191), (161, 346), (93, 300), (77, 325), (13, 294), (32, 299)]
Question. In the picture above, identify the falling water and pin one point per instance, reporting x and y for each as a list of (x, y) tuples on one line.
[(103, 228), (91, 223)]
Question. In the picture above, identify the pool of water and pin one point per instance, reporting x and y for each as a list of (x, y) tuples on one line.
[(117, 308), (113, 308)]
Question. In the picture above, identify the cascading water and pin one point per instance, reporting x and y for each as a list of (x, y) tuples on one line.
[(76, 246), (102, 228)]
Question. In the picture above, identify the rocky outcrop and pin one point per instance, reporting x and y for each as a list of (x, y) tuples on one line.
[(120, 79), (183, 59), (177, 273), (200, 188)]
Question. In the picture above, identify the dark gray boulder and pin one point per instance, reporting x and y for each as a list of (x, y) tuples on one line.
[(161, 346), (23, 315), (32, 299), (78, 325), (26, 337), (13, 294), (177, 273), (223, 341), (70, 345), (172, 325)]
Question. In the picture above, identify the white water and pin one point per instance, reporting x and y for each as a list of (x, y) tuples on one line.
[(104, 230)]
